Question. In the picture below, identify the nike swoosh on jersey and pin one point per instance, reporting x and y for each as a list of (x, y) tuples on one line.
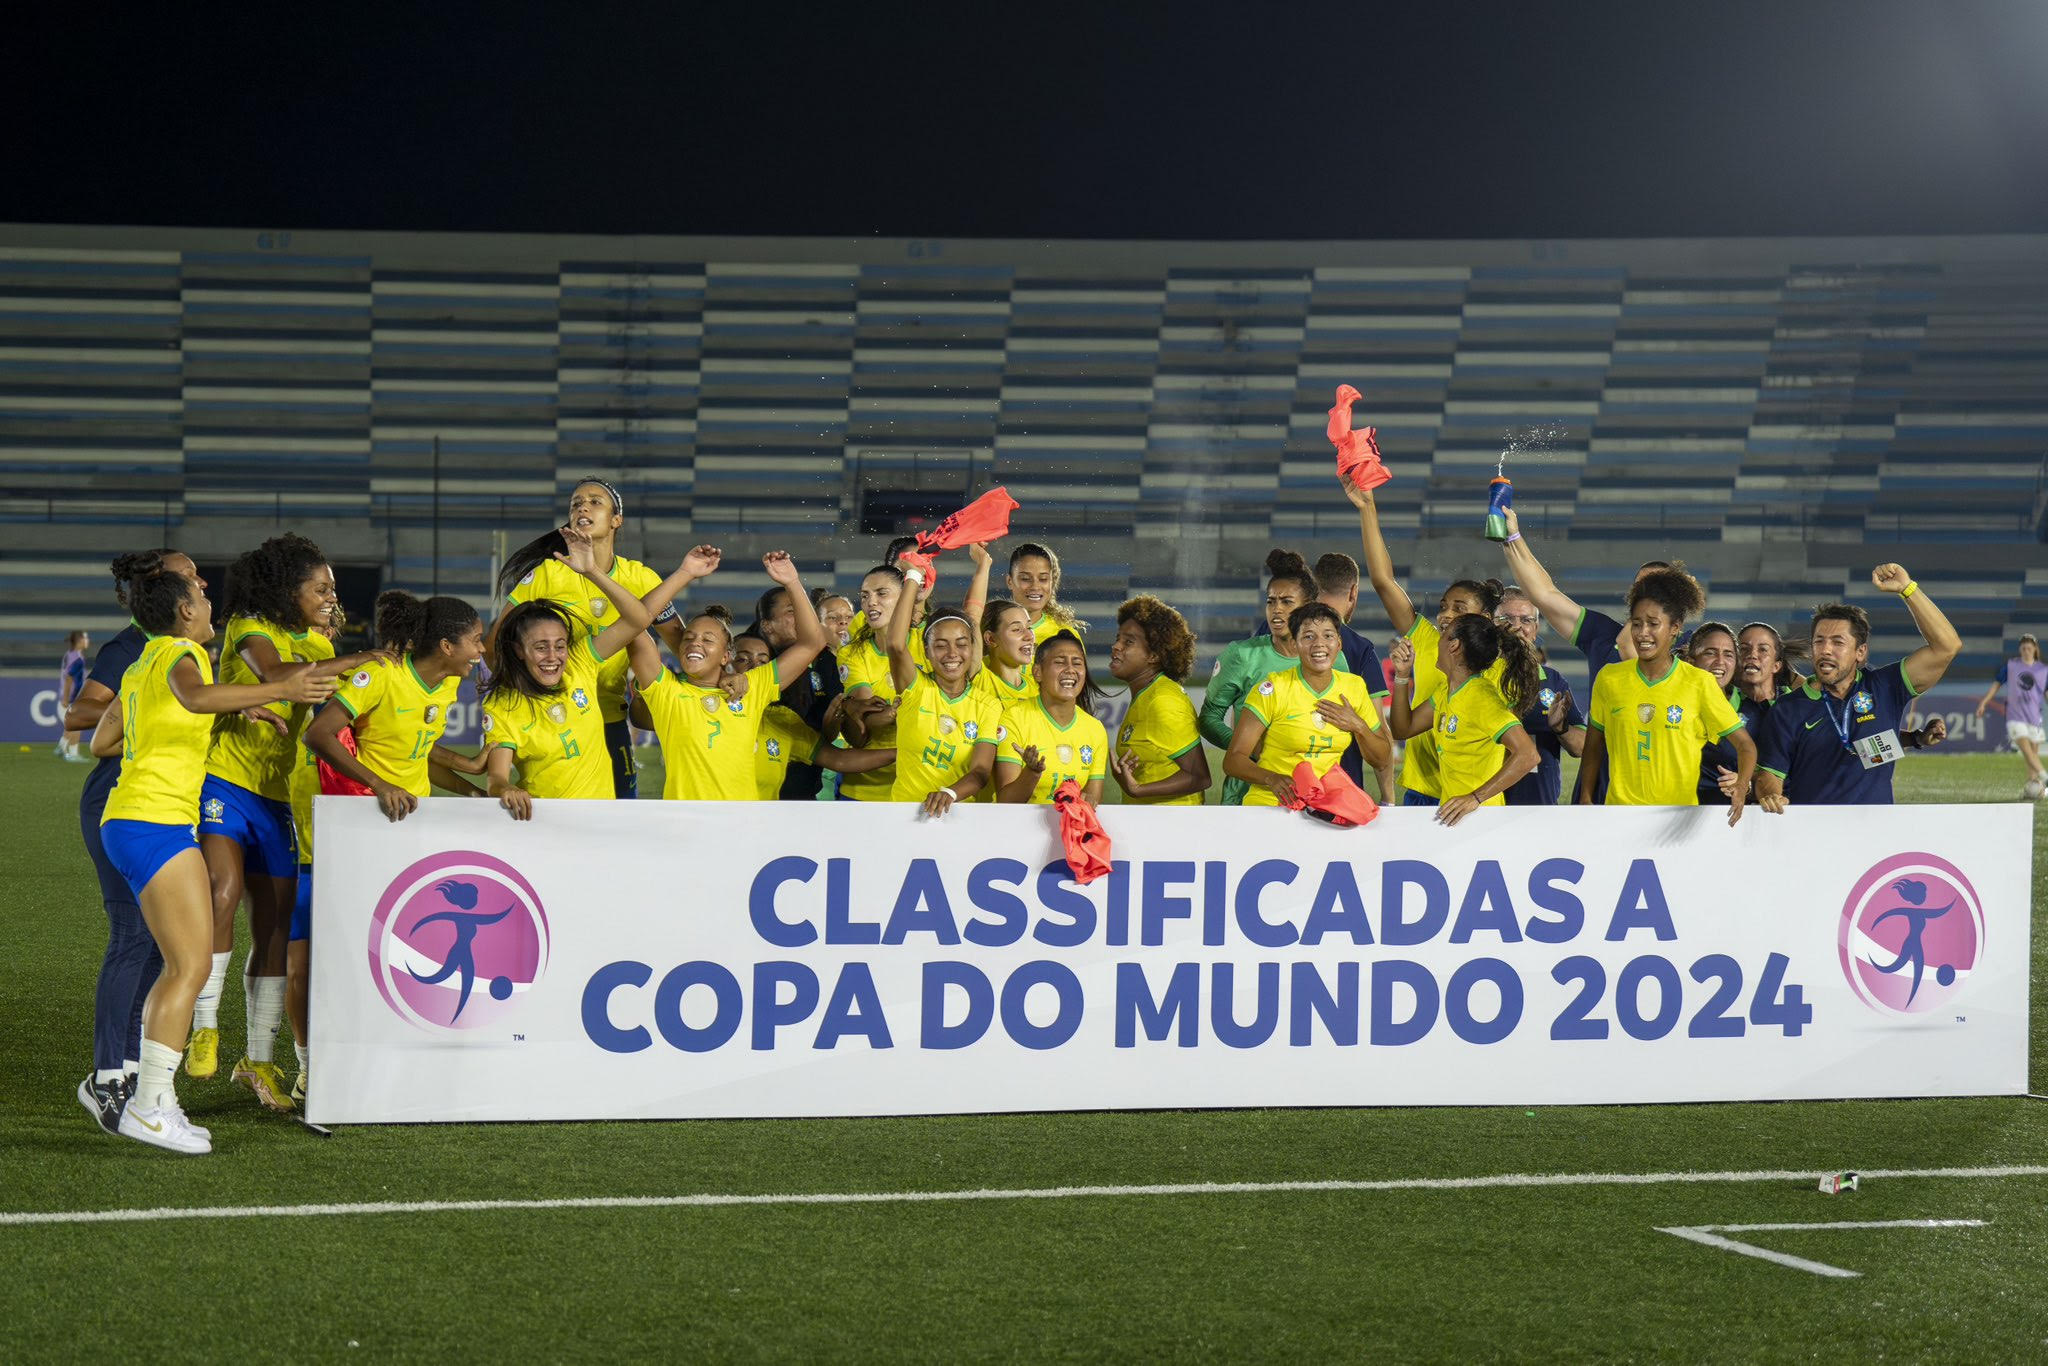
[(403, 711), (1811, 724)]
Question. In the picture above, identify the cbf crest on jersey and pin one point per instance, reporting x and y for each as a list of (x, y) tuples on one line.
[(972, 730), (581, 699), (736, 706), (1861, 701), (212, 809), (774, 748), (1674, 715), (1087, 754), (1547, 698)]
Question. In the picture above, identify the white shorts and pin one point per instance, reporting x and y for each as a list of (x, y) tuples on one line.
[(2016, 731)]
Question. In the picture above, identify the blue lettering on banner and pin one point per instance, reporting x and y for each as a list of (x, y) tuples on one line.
[(1343, 998)]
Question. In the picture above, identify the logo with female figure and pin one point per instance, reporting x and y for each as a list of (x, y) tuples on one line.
[(456, 941), (1912, 932)]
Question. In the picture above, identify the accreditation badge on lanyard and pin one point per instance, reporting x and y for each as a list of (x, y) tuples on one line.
[(1872, 751)]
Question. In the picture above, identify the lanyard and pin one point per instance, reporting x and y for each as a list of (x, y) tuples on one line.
[(1841, 726)]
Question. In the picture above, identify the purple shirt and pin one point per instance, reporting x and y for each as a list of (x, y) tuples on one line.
[(2025, 684)]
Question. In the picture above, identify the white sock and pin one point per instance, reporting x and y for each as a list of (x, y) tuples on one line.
[(153, 1083), (129, 1067), (106, 1077), (206, 1010), (265, 997)]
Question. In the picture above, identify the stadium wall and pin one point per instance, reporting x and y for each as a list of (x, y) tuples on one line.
[(1779, 412)]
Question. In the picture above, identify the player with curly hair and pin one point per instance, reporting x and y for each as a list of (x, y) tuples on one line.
[(1159, 759), (1650, 716), (279, 600)]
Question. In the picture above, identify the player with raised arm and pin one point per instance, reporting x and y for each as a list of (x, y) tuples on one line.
[(708, 735), (1836, 740), (1463, 597), (536, 571), (1651, 716), (945, 727), (161, 728)]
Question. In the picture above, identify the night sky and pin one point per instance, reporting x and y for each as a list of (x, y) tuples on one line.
[(1429, 120)]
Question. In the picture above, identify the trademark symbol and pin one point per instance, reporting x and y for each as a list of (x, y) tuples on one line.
[(521, 1038)]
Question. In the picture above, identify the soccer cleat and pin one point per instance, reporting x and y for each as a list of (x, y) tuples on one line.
[(266, 1080), (165, 1127), (202, 1054), (103, 1101), (299, 1089)]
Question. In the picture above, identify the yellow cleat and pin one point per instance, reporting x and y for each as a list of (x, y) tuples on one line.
[(267, 1081), (202, 1053), (299, 1089)]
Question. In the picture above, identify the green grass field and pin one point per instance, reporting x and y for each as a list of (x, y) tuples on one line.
[(1573, 1272)]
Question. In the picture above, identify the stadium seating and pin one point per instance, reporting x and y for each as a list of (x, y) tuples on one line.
[(1779, 414)]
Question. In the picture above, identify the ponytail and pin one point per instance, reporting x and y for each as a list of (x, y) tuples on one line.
[(131, 566), (1287, 565), (155, 599), (531, 556), (418, 625), (1482, 641), (1488, 591)]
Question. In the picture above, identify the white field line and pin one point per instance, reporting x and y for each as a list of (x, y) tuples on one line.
[(1424, 1183), (1709, 1235)]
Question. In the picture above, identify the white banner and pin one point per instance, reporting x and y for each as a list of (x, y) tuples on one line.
[(667, 959)]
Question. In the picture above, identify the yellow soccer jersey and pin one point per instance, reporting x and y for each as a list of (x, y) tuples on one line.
[(785, 739), (1296, 732), (1159, 728), (556, 739), (398, 720), (304, 783), (1077, 750), (163, 753), (1655, 730), (936, 736), (1419, 758), (558, 583), (865, 664), (707, 739), (247, 753), (1470, 724), (1047, 626), (991, 684)]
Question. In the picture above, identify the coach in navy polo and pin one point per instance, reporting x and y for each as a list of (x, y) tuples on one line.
[(1835, 741)]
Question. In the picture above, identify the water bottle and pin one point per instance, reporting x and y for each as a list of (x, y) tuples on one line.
[(1497, 505)]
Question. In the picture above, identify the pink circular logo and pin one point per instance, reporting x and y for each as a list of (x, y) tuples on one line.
[(1911, 934), (457, 940)]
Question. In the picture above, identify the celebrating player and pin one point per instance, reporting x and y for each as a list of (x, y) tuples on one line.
[(2027, 676), (945, 727), (1836, 740), (835, 613), (537, 571), (130, 965), (161, 729), (541, 706), (1464, 597), (1308, 714), (1336, 575), (708, 735), (1034, 582), (1485, 676), (1244, 664), (1159, 759), (1651, 716), (279, 599), (1054, 736), (864, 669)]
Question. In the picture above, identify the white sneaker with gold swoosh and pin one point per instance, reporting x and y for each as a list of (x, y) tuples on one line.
[(165, 1127)]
